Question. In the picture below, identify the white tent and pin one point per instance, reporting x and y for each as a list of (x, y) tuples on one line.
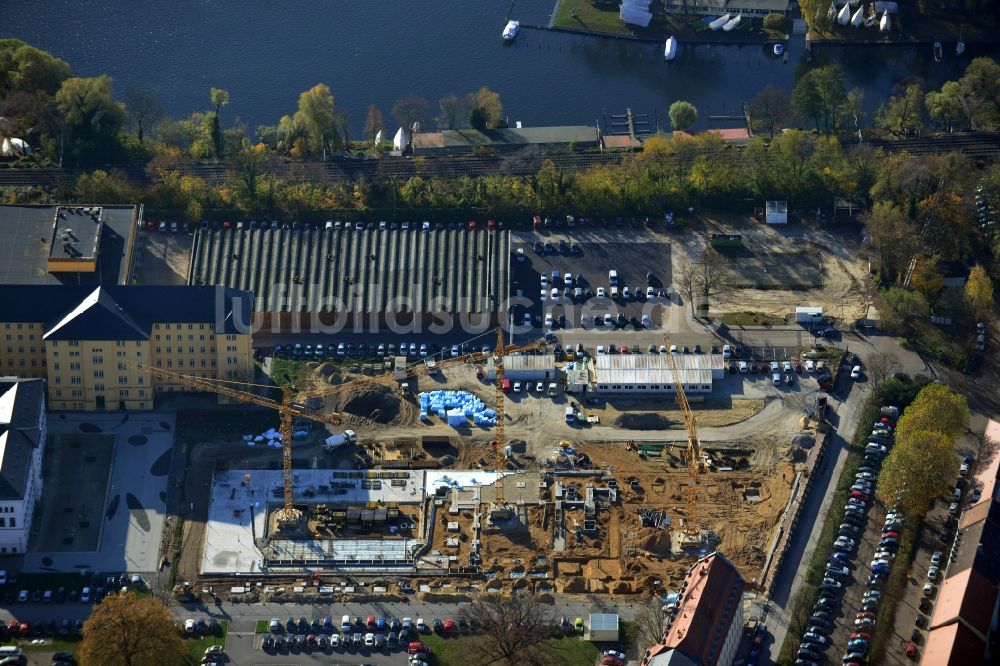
[(401, 140), (14, 147), (859, 17), (886, 24)]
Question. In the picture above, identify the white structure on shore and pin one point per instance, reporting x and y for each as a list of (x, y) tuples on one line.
[(22, 443), (635, 12)]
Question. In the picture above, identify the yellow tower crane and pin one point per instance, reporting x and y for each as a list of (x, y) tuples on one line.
[(695, 458), (292, 404)]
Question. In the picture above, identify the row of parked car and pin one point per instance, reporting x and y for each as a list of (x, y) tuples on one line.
[(362, 351), (174, 226), (816, 638)]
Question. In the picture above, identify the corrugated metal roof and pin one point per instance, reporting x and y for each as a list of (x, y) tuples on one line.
[(644, 369), (358, 271), (529, 362)]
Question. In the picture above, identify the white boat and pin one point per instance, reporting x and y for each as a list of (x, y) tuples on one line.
[(778, 49), (510, 30), (844, 15), (937, 52), (670, 50), (886, 24), (732, 24), (960, 46), (859, 17), (719, 22)]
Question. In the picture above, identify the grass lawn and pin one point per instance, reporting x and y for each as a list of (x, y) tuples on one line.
[(453, 651), (261, 627), (197, 646), (808, 594), (751, 319), (935, 341), (287, 371), (591, 16)]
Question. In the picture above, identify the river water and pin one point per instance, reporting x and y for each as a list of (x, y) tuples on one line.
[(369, 52)]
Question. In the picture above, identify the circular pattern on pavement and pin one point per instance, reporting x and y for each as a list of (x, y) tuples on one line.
[(138, 440), (162, 465), (89, 427), (138, 512)]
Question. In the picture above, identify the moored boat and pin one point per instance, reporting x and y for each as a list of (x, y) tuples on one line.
[(779, 48), (670, 49), (732, 24), (510, 30), (719, 22)]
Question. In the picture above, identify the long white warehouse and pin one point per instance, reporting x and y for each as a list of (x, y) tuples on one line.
[(651, 373)]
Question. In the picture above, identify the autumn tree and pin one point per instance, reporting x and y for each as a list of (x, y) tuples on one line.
[(91, 116), (901, 306), (980, 86), (682, 115), (978, 292), (317, 116), (892, 238), (936, 408), (219, 98), (485, 103), (818, 95), (512, 631), (373, 123), (131, 630), (918, 470), (770, 108), (927, 278), (649, 624)]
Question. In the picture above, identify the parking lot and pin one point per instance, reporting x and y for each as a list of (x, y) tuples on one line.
[(588, 261)]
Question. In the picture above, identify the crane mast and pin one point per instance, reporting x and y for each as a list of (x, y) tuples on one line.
[(695, 458)]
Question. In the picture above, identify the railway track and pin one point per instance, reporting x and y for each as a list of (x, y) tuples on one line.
[(985, 146)]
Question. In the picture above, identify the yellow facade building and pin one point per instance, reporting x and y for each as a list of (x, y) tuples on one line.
[(90, 343)]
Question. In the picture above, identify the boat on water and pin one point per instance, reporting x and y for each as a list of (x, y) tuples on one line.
[(960, 46), (719, 22), (510, 30), (885, 25), (779, 48), (938, 54), (670, 49), (732, 24)]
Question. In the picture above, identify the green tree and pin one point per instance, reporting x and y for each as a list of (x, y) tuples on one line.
[(770, 108), (105, 187), (317, 116), (129, 630), (24, 68), (819, 94), (947, 106), (892, 238), (902, 306), (981, 90), (91, 116), (978, 292), (489, 104), (478, 119), (373, 123), (682, 115), (903, 113), (219, 98), (778, 23)]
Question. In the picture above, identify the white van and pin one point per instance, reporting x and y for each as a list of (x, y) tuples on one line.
[(10, 651)]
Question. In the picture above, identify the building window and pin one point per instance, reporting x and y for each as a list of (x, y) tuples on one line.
[(123, 380), (190, 350), (231, 338), (122, 393), (120, 354), (231, 349), (98, 374), (75, 380), (142, 379), (58, 393), (142, 393), (190, 327), (190, 338), (3, 522), (74, 365), (170, 363), (73, 343), (13, 522), (99, 388), (157, 350), (120, 343), (55, 366)]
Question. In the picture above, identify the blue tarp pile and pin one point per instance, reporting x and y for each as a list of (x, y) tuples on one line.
[(456, 407)]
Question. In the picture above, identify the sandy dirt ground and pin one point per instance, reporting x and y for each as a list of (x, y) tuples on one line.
[(845, 294)]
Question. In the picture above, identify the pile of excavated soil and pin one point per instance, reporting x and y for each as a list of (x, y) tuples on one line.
[(643, 421), (377, 403)]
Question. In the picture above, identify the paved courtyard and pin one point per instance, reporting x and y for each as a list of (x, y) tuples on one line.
[(129, 508)]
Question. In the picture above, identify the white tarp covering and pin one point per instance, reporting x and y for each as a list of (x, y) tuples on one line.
[(401, 140)]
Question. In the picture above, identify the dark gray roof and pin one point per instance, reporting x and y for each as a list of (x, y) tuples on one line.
[(28, 232), (75, 234), (367, 271), (780, 6), (123, 312), (21, 405)]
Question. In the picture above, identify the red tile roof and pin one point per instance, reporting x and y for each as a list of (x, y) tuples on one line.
[(967, 597), (952, 645)]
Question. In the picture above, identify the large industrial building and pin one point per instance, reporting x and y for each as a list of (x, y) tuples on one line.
[(653, 373), (87, 342), (71, 245), (22, 443), (706, 624), (360, 279)]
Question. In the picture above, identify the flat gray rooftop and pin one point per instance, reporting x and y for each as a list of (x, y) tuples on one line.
[(29, 233)]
